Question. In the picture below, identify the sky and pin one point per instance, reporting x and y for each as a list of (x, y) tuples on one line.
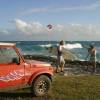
[(27, 20)]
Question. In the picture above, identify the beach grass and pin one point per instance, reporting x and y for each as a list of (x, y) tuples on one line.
[(76, 88), (63, 88)]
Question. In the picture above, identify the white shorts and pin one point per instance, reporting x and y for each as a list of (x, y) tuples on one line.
[(61, 60)]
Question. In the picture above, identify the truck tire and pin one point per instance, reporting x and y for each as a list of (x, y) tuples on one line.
[(41, 85)]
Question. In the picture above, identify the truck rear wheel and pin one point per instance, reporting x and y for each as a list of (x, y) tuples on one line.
[(41, 85)]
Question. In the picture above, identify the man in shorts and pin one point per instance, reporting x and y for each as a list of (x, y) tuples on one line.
[(60, 58)]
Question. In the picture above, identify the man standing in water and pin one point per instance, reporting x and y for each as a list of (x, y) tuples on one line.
[(60, 58), (92, 55)]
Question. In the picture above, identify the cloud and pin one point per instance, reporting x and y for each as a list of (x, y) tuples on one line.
[(4, 31), (37, 10), (36, 31), (35, 28), (69, 31), (31, 28), (88, 7)]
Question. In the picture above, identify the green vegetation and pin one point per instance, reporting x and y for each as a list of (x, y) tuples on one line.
[(64, 88), (76, 88)]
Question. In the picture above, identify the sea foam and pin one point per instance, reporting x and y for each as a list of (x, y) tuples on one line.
[(47, 45), (73, 46), (66, 46)]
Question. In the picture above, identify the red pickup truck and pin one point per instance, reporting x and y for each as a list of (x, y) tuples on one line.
[(16, 72)]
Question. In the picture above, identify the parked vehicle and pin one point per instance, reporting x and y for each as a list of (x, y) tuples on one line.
[(16, 72)]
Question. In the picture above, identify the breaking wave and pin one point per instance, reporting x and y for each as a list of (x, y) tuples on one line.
[(67, 46), (73, 46), (47, 45)]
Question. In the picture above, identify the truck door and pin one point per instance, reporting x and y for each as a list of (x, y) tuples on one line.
[(11, 70)]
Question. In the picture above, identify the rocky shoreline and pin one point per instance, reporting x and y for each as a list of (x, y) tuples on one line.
[(71, 67)]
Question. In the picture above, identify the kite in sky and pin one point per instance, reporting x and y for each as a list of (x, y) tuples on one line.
[(49, 26)]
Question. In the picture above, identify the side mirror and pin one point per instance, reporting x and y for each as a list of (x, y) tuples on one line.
[(16, 60)]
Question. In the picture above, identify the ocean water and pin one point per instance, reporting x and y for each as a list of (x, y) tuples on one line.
[(79, 48)]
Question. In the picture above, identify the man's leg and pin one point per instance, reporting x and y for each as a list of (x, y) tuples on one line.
[(58, 64), (94, 66), (57, 69), (62, 67)]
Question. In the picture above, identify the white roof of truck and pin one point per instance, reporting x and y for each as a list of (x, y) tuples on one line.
[(6, 44)]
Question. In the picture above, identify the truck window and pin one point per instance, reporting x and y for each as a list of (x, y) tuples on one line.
[(7, 55)]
